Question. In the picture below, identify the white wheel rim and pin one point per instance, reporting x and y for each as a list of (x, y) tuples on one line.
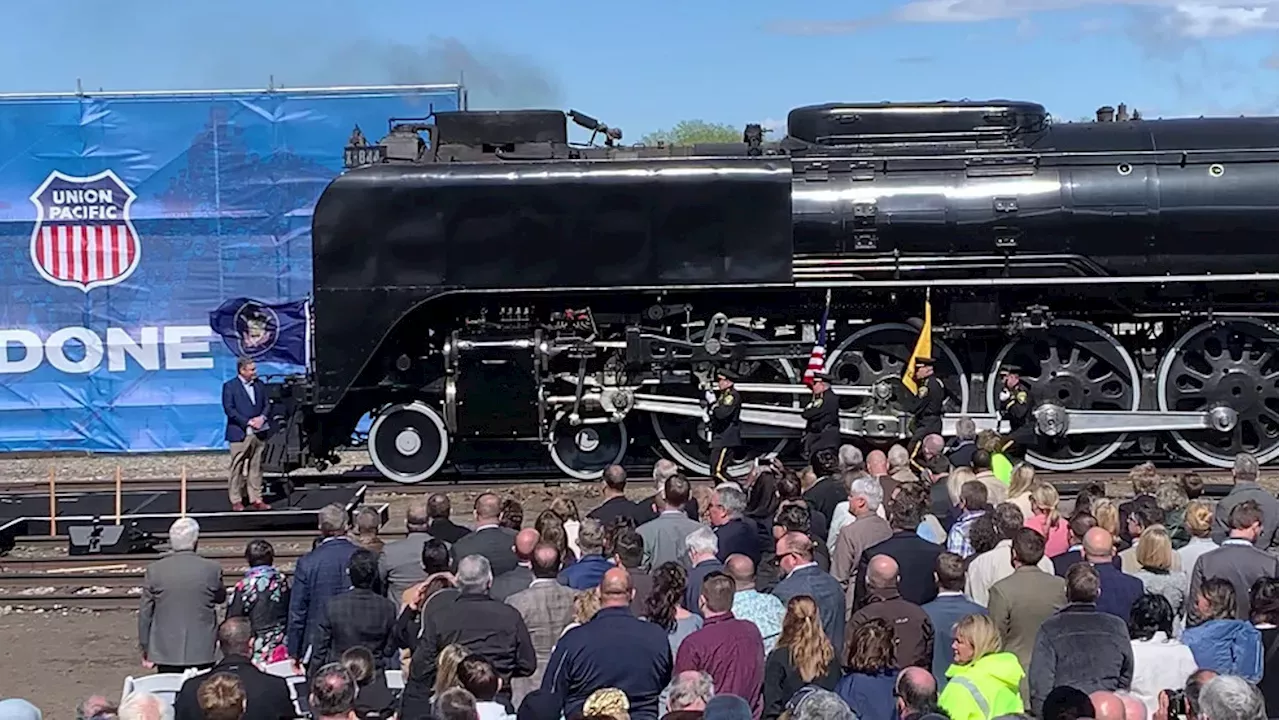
[(434, 425), (1162, 379), (1106, 451)]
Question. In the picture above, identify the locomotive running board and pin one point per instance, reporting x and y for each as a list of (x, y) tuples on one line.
[(1051, 420)]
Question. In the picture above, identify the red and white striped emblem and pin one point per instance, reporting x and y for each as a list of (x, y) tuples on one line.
[(84, 237)]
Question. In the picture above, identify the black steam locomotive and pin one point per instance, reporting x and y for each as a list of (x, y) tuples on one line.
[(481, 281)]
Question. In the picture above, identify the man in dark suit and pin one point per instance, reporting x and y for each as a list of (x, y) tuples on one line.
[(946, 609), (803, 577), (318, 576), (266, 696), (359, 617), (489, 540), (439, 510), (916, 556), (513, 581), (615, 505), (1118, 590), (735, 534), (179, 611), (244, 400)]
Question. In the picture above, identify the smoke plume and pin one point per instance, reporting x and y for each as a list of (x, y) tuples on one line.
[(494, 79)]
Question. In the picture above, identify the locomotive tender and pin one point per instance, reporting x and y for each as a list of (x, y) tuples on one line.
[(496, 283)]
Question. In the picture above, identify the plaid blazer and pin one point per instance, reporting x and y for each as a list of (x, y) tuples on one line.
[(356, 618), (547, 607)]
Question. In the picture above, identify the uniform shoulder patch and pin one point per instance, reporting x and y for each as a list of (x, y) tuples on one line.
[(923, 391), (727, 399), (1022, 396), (817, 402)]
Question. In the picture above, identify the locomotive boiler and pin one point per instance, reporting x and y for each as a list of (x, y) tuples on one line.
[(479, 279)]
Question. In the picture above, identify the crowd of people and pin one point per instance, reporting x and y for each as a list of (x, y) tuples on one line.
[(878, 587)]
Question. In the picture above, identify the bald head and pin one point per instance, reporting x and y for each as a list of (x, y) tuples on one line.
[(933, 444), (797, 543), (877, 463), (917, 689), (1098, 545), (882, 572), (488, 508), (1107, 705), (615, 588), (741, 569), (1134, 708), (416, 517), (526, 541)]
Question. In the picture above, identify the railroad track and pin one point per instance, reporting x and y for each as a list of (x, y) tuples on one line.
[(364, 476), (207, 540), (73, 601)]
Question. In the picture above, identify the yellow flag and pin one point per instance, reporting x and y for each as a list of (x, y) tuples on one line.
[(924, 347)]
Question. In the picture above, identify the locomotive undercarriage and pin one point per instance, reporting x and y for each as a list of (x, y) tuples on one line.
[(589, 377)]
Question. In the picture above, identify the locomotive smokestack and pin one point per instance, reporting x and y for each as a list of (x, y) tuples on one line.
[(1122, 113), (1106, 113)]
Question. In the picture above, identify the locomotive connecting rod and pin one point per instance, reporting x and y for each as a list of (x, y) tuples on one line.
[(1051, 420)]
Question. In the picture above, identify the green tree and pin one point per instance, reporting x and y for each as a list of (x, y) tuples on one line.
[(688, 132)]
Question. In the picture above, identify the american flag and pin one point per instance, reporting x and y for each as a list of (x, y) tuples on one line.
[(818, 358)]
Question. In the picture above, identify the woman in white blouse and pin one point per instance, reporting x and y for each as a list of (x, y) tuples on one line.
[(1159, 661)]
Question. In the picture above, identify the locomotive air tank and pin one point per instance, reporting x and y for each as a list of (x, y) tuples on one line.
[(1133, 263)]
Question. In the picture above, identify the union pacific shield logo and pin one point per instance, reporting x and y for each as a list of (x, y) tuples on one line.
[(84, 237)]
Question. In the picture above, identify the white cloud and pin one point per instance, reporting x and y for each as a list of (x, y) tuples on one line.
[(1195, 19)]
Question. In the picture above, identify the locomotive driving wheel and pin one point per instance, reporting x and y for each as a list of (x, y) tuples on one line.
[(583, 452), (684, 438), (408, 442), (1080, 367), (1229, 363), (879, 353)]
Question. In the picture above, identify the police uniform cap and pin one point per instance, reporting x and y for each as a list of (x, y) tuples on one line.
[(925, 361), (822, 375), (726, 374), (1011, 368)]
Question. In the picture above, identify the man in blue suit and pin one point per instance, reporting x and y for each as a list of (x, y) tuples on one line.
[(244, 400)]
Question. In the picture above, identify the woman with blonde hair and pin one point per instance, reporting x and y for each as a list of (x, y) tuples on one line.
[(1199, 523), (1021, 480), (447, 663), (803, 656), (1108, 517), (1044, 519), (1155, 558), (983, 680), (608, 702)]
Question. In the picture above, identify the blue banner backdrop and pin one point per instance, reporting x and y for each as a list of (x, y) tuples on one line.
[(126, 219)]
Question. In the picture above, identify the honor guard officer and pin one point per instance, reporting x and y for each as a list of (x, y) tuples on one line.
[(724, 420), (822, 415), (926, 415), (1016, 403)]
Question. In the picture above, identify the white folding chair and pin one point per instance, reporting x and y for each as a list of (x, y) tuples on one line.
[(395, 680), (280, 668), (162, 685)]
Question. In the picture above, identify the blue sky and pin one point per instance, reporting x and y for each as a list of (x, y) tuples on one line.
[(643, 66)]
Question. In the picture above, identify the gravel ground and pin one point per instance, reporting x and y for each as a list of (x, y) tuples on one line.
[(58, 658)]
